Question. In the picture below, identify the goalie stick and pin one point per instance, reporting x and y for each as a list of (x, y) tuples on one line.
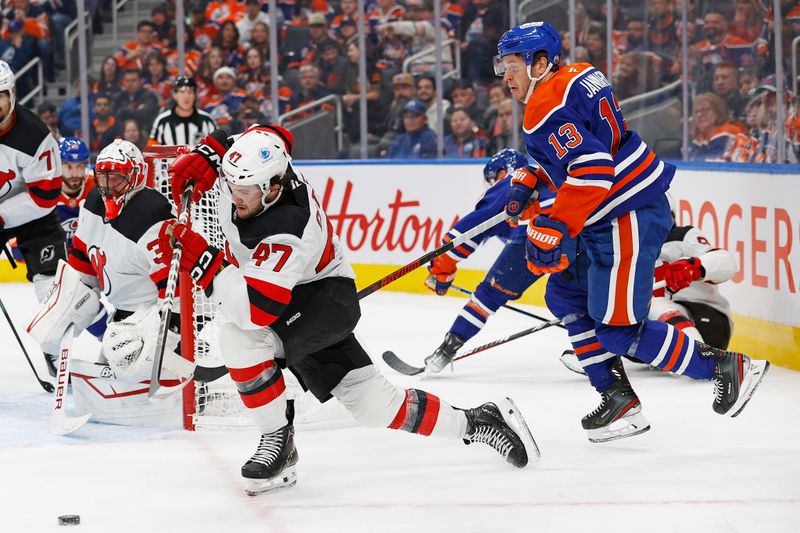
[(415, 264), (60, 423), (397, 364), (46, 385), (157, 390)]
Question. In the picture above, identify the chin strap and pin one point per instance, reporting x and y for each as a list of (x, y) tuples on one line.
[(534, 81), (267, 205)]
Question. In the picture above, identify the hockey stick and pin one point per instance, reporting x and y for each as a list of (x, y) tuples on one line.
[(509, 307), (60, 423), (413, 265), (47, 386), (391, 359), (157, 390)]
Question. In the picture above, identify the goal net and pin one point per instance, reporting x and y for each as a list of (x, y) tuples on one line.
[(217, 404)]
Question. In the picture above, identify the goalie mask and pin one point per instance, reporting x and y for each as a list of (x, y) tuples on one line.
[(259, 157), (120, 172)]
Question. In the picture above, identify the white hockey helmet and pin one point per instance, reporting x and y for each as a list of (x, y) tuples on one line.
[(258, 157), (7, 82), (120, 157)]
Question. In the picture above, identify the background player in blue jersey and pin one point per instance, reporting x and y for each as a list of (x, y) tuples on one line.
[(610, 192), (506, 280), (76, 183)]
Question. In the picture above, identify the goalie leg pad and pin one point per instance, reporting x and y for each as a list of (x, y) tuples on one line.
[(250, 358), (70, 301), (375, 402)]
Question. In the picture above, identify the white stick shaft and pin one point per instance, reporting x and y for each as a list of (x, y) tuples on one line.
[(60, 423)]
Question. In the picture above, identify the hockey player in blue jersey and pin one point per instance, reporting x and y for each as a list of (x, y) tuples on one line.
[(76, 183), (506, 280), (610, 192)]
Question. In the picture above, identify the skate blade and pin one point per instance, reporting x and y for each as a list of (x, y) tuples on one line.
[(513, 417), (288, 478), (570, 360), (757, 371), (627, 426)]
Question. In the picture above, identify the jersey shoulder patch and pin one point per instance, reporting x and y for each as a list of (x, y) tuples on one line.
[(552, 95), (678, 233), (27, 134), (288, 217)]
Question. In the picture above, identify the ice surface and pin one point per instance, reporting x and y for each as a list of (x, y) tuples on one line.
[(694, 470)]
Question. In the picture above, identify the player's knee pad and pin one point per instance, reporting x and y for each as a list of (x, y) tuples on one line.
[(617, 339), (369, 397), (242, 348)]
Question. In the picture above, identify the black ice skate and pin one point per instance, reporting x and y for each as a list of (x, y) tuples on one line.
[(495, 426), (619, 414), (444, 354), (51, 360), (273, 465), (736, 378)]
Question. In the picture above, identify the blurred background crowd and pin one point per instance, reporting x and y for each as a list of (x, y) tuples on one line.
[(728, 96)]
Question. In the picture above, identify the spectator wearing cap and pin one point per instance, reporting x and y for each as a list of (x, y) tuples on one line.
[(466, 139), (403, 91), (726, 86), (420, 31), (165, 29), (183, 124), (228, 40), (204, 30), (135, 101), (332, 66), (418, 141), (305, 53), (252, 16), (133, 53), (17, 49), (426, 93), (157, 79), (104, 128), (311, 88), (223, 106), (48, 112), (762, 117), (346, 32)]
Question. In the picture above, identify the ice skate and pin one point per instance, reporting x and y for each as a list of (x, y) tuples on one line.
[(444, 354), (736, 378), (619, 414), (272, 467), (570, 360), (495, 426)]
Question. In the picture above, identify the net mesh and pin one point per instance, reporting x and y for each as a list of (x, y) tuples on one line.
[(216, 404)]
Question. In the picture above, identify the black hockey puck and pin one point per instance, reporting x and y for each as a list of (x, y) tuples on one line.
[(69, 520)]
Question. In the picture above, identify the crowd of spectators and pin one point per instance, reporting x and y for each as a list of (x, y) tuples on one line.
[(731, 68)]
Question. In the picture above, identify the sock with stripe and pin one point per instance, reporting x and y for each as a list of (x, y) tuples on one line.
[(263, 391), (593, 357)]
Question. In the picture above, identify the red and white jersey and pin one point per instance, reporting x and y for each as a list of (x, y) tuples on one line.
[(119, 256), (719, 265), (291, 243), (30, 170)]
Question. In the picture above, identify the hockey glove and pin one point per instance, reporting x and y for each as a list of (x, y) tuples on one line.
[(442, 273), (521, 203), (549, 247), (200, 166), (680, 274), (198, 258)]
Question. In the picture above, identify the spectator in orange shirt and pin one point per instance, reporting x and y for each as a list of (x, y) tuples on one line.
[(714, 132), (133, 53), (204, 30), (222, 11), (157, 79), (748, 20), (720, 46)]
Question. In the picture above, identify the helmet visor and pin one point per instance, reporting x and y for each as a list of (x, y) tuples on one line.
[(503, 64)]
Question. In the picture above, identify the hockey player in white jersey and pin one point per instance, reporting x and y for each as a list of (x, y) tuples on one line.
[(30, 184), (288, 298), (691, 301), (115, 253)]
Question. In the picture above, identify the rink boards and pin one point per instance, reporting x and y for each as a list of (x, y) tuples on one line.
[(388, 213)]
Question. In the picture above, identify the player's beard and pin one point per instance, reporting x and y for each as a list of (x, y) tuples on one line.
[(72, 185)]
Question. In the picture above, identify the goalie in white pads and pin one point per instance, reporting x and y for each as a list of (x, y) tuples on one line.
[(115, 253), (691, 301), (288, 298)]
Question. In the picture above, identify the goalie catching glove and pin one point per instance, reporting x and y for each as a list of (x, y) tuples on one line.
[(70, 301), (198, 258)]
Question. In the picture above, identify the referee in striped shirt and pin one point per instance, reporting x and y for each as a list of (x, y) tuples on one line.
[(183, 124)]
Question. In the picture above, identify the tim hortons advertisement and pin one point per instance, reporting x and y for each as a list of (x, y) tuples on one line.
[(390, 214)]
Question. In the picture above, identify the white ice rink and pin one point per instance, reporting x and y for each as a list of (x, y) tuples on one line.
[(694, 470)]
